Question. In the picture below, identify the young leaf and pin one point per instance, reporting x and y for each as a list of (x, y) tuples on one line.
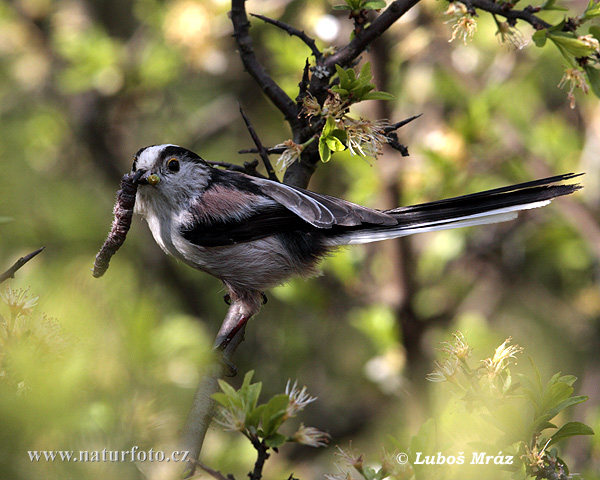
[(272, 416), (539, 38), (593, 75), (571, 44), (378, 96), (373, 5), (227, 389), (324, 150), (276, 440), (567, 403), (555, 395), (343, 76), (595, 31), (569, 430)]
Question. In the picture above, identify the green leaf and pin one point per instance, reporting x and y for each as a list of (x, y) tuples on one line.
[(273, 413), (342, 92), (539, 424), (539, 38), (221, 399), (369, 473), (343, 76), (249, 392), (365, 71), (275, 440), (555, 395), (253, 418), (378, 96), (592, 10), (341, 7), (567, 403), (569, 430), (595, 31), (374, 5), (324, 150), (593, 75), (335, 144), (227, 389), (568, 379), (571, 44), (551, 5), (329, 127)]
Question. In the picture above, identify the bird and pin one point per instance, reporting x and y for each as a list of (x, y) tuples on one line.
[(254, 233)]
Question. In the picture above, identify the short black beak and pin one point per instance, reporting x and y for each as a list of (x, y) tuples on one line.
[(137, 177)]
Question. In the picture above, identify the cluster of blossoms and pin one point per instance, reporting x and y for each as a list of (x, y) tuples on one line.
[(361, 137), (234, 418), (459, 351), (390, 467), (464, 25)]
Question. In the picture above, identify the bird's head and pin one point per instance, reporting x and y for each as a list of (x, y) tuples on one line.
[(169, 173)]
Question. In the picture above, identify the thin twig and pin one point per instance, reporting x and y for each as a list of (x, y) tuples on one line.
[(241, 29), (270, 150), (397, 125), (10, 273), (201, 412), (365, 37), (293, 32), (249, 168), (262, 455), (259, 146), (510, 14), (213, 473), (304, 84)]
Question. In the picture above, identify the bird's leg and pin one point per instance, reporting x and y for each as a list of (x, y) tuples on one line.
[(242, 306), (224, 338)]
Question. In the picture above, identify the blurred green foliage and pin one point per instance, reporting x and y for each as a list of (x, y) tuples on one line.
[(113, 363)]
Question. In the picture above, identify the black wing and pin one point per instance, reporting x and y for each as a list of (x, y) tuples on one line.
[(271, 208), (265, 221)]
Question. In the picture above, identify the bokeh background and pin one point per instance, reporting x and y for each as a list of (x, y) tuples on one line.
[(113, 362)]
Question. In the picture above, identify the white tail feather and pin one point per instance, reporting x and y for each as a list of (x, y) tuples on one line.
[(385, 233)]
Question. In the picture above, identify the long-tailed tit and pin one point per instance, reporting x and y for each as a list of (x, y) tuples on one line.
[(254, 234)]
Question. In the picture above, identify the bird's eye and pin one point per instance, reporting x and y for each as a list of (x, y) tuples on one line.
[(173, 165)]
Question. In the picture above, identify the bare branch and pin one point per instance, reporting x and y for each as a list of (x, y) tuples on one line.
[(274, 92), (262, 452), (264, 155), (201, 413), (249, 168), (527, 14), (213, 473), (363, 39), (10, 273), (397, 125), (293, 32)]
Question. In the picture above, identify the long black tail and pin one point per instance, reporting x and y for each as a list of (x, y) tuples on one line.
[(491, 206)]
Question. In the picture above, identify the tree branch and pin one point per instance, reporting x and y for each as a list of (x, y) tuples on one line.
[(293, 32), (10, 273), (264, 155), (274, 92), (363, 39), (512, 15), (262, 455), (213, 473), (201, 413)]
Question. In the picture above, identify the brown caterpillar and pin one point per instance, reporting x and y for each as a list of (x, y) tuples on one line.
[(123, 212)]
